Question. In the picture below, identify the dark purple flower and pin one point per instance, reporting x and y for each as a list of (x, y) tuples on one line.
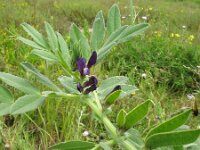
[(85, 69), (90, 89), (79, 87), (92, 80), (88, 86)]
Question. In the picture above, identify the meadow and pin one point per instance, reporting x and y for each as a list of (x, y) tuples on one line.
[(163, 63)]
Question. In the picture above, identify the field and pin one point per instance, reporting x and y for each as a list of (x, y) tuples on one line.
[(164, 63)]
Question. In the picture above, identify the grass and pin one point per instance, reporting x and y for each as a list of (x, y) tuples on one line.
[(167, 54)]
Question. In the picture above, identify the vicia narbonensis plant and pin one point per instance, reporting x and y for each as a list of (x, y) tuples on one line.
[(80, 85)]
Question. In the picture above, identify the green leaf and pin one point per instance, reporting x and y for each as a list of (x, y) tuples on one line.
[(104, 51), (132, 31), (171, 124), (121, 118), (193, 146), (26, 103), (37, 37), (116, 35), (69, 84), (78, 38), (5, 108), (105, 146), (172, 138), (111, 98), (29, 67), (52, 38), (5, 95), (98, 32), (18, 83), (64, 49), (135, 138), (127, 90), (107, 85), (114, 19), (67, 96), (30, 43), (137, 114), (73, 145), (45, 55)]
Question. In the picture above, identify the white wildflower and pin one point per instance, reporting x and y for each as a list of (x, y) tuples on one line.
[(123, 17), (144, 17), (144, 75), (184, 27), (7, 145), (190, 97), (86, 133)]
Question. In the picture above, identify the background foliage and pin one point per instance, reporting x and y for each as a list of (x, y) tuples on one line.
[(168, 54)]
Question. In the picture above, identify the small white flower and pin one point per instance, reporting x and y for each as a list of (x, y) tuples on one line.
[(7, 145), (123, 17), (190, 97), (144, 17), (125, 7), (184, 27), (198, 126), (86, 133), (144, 75)]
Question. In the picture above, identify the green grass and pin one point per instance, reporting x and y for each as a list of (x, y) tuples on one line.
[(169, 62)]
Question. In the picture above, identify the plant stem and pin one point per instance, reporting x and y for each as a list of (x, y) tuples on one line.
[(108, 125)]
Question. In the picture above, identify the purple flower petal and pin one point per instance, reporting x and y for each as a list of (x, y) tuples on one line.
[(79, 87), (86, 71), (81, 64), (92, 81), (93, 59), (90, 89)]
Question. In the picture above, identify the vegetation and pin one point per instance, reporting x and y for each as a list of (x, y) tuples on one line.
[(163, 63)]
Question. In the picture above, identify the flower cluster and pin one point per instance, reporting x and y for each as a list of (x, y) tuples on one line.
[(84, 69)]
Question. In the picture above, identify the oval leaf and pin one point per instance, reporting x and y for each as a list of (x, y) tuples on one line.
[(18, 83), (30, 43), (114, 19), (137, 114), (121, 118), (5, 95), (26, 103), (107, 85), (111, 98), (98, 32), (171, 124), (64, 49), (78, 38), (172, 138), (52, 38), (37, 37), (44, 55), (132, 31), (73, 145), (5, 108), (68, 83), (29, 67)]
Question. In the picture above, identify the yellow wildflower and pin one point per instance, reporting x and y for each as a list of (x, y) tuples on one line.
[(150, 8), (133, 94), (191, 37), (172, 35), (177, 35)]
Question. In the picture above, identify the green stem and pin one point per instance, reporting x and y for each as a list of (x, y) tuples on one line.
[(108, 125)]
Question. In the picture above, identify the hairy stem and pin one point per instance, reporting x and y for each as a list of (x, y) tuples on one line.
[(109, 126)]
